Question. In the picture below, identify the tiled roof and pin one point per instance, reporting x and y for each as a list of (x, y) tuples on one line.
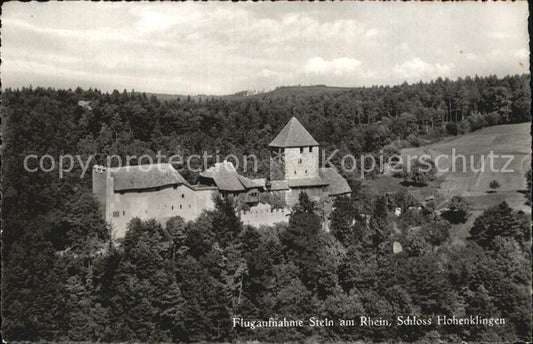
[(337, 185), (293, 135), (146, 177), (226, 178), (278, 185), (307, 182)]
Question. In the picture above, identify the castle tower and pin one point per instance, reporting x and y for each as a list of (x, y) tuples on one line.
[(294, 153)]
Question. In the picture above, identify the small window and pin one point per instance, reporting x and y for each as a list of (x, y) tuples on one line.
[(301, 150), (310, 149), (294, 172), (116, 213), (182, 195), (181, 207), (123, 212), (299, 161), (305, 171), (172, 207), (189, 205)]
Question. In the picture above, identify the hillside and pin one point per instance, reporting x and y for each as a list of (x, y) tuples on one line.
[(282, 91), (511, 140)]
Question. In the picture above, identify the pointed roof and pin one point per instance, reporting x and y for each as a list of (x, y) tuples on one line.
[(293, 135)]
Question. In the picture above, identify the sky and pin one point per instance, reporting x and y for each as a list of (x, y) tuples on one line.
[(222, 48)]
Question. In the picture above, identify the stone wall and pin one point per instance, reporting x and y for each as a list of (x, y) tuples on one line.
[(263, 215), (184, 201), (301, 163)]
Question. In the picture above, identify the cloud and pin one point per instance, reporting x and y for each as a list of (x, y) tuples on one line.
[(403, 46), (372, 33), (338, 66), (216, 48), (417, 69), (521, 53)]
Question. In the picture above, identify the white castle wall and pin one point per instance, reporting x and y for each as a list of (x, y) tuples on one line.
[(120, 208), (263, 215), (162, 205), (299, 164)]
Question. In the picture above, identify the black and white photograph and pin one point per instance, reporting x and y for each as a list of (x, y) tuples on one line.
[(265, 172)]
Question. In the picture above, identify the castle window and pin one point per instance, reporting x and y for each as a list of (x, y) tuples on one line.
[(123, 212), (189, 205), (116, 213), (172, 207), (310, 149), (299, 161), (182, 195), (294, 172), (301, 150), (181, 207), (305, 171)]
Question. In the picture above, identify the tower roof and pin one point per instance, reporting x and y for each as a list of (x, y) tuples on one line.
[(293, 135)]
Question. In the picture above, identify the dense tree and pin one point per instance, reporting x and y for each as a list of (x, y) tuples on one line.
[(501, 221), (458, 210), (62, 280)]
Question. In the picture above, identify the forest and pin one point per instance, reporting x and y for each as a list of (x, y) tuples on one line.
[(63, 279)]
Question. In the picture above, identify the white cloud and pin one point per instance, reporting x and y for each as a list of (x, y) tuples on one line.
[(417, 69), (371, 33), (403, 46), (338, 66), (224, 48), (521, 53)]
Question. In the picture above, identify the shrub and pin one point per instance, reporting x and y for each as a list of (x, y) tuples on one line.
[(494, 184), (452, 128)]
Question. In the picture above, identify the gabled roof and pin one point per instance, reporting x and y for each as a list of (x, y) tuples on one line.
[(226, 178), (279, 185), (337, 185), (307, 182), (146, 177), (293, 135)]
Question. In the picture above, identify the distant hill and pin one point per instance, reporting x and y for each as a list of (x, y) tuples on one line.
[(304, 90), (282, 91)]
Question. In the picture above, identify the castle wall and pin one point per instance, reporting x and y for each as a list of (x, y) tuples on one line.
[(315, 193), (299, 164), (263, 215), (162, 205)]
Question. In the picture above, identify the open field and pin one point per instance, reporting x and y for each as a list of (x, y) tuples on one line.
[(512, 140), (503, 140), (511, 144)]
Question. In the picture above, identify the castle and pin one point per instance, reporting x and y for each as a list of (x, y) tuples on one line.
[(159, 191)]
